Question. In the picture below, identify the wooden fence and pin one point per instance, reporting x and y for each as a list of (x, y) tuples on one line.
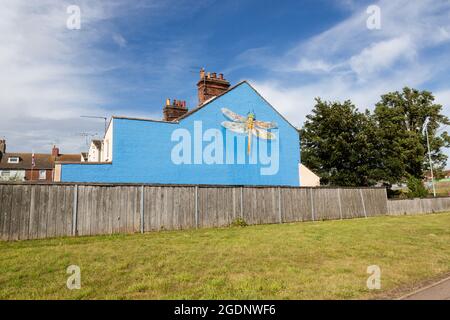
[(34, 211), (418, 206)]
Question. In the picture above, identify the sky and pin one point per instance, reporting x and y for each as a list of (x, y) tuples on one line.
[(127, 57)]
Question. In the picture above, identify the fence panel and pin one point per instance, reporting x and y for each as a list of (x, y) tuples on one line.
[(215, 206), (418, 206), (375, 201), (296, 204), (260, 205), (351, 203), (169, 208), (47, 210), (326, 204)]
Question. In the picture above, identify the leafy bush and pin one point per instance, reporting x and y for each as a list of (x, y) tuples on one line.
[(416, 188), (239, 222)]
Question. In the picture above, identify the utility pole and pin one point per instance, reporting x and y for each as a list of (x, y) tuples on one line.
[(425, 128)]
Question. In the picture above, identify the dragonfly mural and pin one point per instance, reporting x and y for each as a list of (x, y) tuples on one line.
[(248, 125)]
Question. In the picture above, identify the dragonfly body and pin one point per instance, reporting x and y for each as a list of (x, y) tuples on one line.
[(248, 125)]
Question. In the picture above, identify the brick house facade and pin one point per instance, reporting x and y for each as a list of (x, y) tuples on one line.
[(18, 166)]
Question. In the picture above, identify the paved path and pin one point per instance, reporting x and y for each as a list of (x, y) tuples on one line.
[(437, 291)]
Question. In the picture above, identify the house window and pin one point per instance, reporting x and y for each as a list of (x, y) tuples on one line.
[(5, 174), (42, 174), (13, 160)]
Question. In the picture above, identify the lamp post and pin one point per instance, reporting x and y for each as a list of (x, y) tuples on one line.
[(425, 129)]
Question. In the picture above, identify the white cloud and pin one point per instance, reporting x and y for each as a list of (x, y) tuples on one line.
[(349, 61), (119, 40), (313, 66), (381, 55), (51, 75), (443, 98), (44, 84)]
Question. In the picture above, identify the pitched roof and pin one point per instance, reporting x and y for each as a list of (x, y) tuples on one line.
[(97, 144), (228, 90), (205, 103), (42, 160)]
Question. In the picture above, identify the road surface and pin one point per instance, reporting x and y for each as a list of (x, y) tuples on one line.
[(437, 291)]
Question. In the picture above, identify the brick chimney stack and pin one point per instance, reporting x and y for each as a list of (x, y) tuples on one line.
[(210, 85), (55, 151), (172, 111), (2, 146)]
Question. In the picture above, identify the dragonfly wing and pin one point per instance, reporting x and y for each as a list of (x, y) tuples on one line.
[(233, 116), (263, 134), (266, 125), (235, 126)]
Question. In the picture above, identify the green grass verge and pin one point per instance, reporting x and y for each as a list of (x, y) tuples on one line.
[(311, 260)]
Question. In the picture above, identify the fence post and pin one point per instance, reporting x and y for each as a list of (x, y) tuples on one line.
[(362, 200), (75, 210), (142, 209), (242, 202), (340, 204), (234, 203), (312, 203), (31, 213), (421, 209), (279, 205), (196, 206)]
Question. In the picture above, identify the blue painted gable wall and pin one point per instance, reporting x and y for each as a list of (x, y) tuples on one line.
[(142, 149)]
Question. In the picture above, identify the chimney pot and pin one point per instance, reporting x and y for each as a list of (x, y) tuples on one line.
[(175, 110), (202, 73), (211, 86), (167, 102)]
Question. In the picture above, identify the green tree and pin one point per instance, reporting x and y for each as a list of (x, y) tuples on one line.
[(340, 144), (416, 188), (399, 118)]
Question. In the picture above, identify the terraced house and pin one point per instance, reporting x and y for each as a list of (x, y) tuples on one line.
[(20, 166), (232, 137)]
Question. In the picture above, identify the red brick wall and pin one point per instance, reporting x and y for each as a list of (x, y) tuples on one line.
[(210, 85), (29, 176)]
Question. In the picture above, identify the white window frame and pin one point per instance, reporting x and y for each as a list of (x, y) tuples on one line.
[(16, 160), (42, 177), (6, 173)]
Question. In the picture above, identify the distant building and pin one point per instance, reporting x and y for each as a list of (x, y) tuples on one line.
[(445, 175), (95, 151), (307, 177), (18, 166), (233, 137)]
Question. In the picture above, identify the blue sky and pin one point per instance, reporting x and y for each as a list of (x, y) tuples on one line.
[(129, 56)]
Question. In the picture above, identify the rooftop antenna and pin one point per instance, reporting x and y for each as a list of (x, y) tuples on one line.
[(196, 68), (87, 136), (98, 117)]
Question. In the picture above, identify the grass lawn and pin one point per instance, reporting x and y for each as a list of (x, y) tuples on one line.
[(290, 261)]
